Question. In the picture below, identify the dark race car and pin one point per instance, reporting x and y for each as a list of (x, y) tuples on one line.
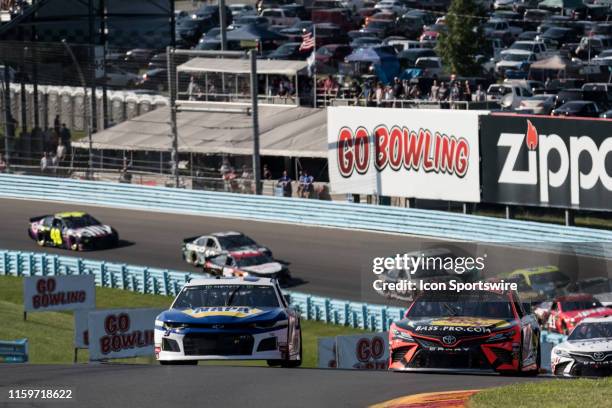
[(466, 331), (77, 231)]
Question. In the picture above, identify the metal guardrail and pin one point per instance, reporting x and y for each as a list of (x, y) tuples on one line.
[(440, 224), (166, 282)]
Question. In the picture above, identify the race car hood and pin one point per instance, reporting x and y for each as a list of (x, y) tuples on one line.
[(590, 345), (455, 325), (92, 231), (264, 269), (583, 314), (222, 315)]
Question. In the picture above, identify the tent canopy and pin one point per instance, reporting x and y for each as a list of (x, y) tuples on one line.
[(370, 54), (243, 66), (561, 4), (253, 32), (284, 131)]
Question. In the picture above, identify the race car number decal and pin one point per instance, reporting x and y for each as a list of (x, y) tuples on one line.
[(56, 236), (222, 311)]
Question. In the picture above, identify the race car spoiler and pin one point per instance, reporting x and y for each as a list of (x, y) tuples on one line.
[(34, 219), (190, 239)]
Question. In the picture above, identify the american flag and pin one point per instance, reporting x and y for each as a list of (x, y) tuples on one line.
[(308, 42)]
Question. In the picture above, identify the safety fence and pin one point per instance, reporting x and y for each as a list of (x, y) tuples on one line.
[(166, 282), (445, 225)]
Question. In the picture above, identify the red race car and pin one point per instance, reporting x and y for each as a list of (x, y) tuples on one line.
[(567, 311), (246, 263), (466, 331)]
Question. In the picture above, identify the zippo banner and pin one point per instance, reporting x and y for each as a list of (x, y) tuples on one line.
[(363, 352), (118, 333), (53, 293), (548, 162), (419, 153)]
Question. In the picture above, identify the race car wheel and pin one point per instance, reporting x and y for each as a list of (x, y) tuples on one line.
[(40, 240), (193, 258), (73, 245), (287, 363), (179, 362)]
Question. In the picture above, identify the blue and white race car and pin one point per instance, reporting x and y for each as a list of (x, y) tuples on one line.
[(240, 318)]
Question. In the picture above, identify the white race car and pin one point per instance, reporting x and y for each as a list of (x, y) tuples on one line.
[(196, 249), (229, 319), (587, 351)]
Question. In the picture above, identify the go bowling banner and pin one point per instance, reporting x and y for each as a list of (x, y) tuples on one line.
[(416, 153)]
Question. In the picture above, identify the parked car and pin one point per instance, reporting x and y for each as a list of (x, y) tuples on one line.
[(119, 78), (538, 104), (578, 108), (332, 54), (154, 79), (431, 66), (289, 51), (514, 60)]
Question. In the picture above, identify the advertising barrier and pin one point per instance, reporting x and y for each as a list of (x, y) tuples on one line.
[(53, 293), (548, 162), (326, 352), (363, 351), (404, 153), (119, 333), (81, 332)]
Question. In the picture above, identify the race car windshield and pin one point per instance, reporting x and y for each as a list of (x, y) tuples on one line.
[(226, 295), (580, 305), (472, 304), (235, 241), (80, 222), (587, 331), (547, 277), (253, 260)]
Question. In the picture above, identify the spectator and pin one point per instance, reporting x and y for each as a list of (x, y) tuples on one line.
[(65, 136), (467, 92), (285, 183), (379, 94), (398, 90), (247, 180), (56, 125), (54, 163), (60, 151), (415, 91), (45, 163), (193, 90), (267, 174), (308, 187), (479, 95), (367, 92), (357, 92), (434, 91), (125, 176), (2, 164), (455, 94), (406, 89), (301, 182), (225, 170), (443, 92), (388, 96)]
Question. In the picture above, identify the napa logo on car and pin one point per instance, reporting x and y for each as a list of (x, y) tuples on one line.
[(230, 311)]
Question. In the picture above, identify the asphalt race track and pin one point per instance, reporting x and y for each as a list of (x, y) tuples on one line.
[(115, 385), (323, 261)]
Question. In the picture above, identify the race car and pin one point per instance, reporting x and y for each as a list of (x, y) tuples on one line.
[(567, 311), (196, 249), (546, 280), (77, 231), (246, 263), (229, 319), (466, 331), (587, 351)]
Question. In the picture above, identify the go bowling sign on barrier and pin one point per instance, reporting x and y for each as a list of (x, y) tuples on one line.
[(119, 333), (54, 293), (363, 352)]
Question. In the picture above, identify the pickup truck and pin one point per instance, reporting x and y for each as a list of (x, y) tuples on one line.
[(280, 17), (538, 48)]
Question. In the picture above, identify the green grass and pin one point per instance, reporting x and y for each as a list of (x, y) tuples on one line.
[(576, 393), (51, 334)]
